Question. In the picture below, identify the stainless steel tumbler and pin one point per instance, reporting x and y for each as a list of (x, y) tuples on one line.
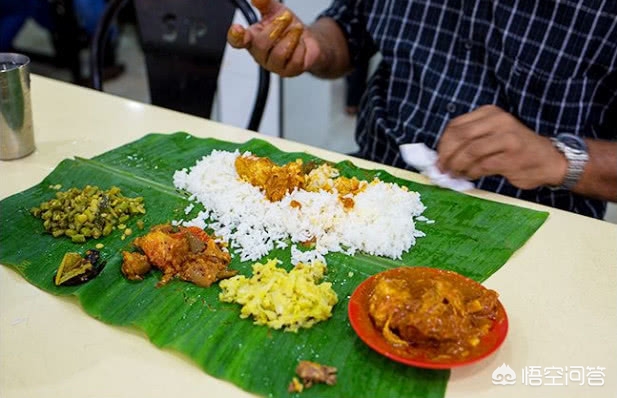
[(16, 132)]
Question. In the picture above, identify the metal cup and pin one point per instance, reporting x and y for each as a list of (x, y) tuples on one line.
[(16, 133)]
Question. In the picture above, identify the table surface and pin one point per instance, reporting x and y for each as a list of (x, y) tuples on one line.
[(560, 289)]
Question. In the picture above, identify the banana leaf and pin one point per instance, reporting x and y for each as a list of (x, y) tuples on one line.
[(472, 236)]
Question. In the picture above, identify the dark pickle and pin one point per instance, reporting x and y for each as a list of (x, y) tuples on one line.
[(75, 269)]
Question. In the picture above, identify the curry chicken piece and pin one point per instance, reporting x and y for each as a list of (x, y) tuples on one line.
[(276, 181), (346, 186), (188, 253), (432, 313), (327, 178)]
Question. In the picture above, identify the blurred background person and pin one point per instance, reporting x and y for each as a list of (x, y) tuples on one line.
[(70, 30)]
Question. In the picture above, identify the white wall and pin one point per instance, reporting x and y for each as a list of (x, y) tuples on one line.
[(237, 88), (307, 101), (611, 213)]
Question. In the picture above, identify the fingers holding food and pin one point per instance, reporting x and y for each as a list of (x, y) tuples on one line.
[(291, 40), (238, 37), (295, 64), (283, 51), (278, 25), (268, 34), (277, 42)]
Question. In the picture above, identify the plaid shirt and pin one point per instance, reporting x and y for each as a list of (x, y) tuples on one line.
[(550, 63)]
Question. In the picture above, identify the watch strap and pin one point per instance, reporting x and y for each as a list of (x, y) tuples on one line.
[(576, 157)]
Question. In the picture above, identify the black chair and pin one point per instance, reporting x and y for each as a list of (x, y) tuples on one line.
[(183, 43)]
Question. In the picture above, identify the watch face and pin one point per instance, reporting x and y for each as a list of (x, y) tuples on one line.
[(572, 141)]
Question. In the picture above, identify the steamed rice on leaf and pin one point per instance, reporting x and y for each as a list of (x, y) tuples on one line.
[(379, 220)]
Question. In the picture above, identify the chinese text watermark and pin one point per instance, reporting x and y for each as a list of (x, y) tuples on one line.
[(550, 376)]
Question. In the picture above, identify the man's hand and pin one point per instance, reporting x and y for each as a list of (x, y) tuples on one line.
[(490, 141), (280, 42)]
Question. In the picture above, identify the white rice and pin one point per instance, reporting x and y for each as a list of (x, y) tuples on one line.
[(306, 257), (380, 223), (424, 219)]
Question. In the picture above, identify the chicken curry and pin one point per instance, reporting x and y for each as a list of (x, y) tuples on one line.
[(437, 314), (188, 253)]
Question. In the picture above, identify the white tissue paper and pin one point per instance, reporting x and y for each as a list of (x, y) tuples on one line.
[(424, 159)]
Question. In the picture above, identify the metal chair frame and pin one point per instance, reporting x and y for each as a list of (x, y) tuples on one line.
[(190, 63)]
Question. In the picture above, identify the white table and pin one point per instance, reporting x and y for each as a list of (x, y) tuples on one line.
[(560, 289)]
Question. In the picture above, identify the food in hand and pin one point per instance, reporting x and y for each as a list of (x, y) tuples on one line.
[(187, 253), (75, 269), (439, 313), (280, 299), (279, 24), (87, 213)]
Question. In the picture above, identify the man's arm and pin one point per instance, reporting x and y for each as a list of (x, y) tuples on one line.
[(490, 141), (334, 58), (599, 179), (283, 44)]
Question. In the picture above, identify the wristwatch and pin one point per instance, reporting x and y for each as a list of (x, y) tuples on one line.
[(575, 150)]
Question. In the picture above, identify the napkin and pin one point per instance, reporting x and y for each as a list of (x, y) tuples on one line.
[(424, 159)]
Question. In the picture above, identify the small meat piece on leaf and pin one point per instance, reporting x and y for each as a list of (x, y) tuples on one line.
[(312, 372), (295, 385)]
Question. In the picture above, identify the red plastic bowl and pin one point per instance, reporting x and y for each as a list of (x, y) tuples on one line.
[(363, 326)]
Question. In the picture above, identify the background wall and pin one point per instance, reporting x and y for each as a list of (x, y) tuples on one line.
[(312, 107), (237, 88)]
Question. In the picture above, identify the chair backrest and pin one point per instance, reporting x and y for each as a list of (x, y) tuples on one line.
[(183, 43)]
